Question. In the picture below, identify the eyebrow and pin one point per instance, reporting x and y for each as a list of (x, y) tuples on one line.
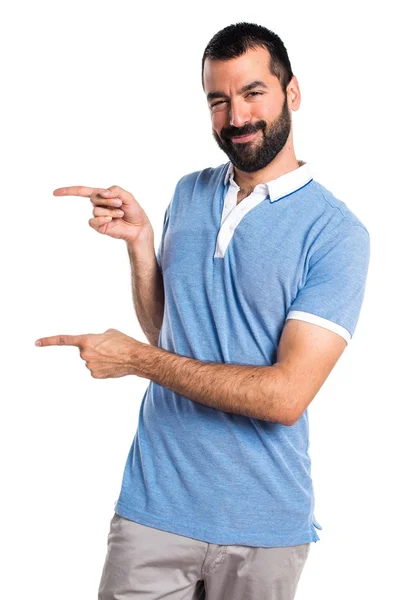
[(245, 88)]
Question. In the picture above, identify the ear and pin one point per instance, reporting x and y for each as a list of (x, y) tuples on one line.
[(293, 94)]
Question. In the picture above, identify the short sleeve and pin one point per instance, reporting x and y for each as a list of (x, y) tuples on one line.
[(334, 289), (164, 230)]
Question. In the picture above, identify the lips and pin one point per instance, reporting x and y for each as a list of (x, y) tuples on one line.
[(241, 139)]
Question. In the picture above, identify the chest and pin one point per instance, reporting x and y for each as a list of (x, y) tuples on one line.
[(253, 254)]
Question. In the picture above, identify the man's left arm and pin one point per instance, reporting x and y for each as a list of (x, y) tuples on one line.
[(306, 355), (279, 393)]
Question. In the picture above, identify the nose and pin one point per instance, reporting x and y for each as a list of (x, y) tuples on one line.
[(239, 114)]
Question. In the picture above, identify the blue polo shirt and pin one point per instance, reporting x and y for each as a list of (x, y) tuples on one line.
[(233, 274)]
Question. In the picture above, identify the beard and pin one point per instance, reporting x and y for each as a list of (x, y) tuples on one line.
[(255, 155)]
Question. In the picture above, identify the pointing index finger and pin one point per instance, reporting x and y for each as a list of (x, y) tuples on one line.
[(76, 190), (61, 340)]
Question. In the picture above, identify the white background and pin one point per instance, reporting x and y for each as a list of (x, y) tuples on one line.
[(102, 94)]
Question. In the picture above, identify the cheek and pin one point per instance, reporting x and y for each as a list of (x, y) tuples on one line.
[(218, 120), (273, 110), (262, 113)]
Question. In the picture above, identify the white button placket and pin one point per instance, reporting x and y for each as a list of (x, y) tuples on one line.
[(233, 213)]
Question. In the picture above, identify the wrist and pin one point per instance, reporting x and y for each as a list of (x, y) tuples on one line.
[(145, 239), (139, 355)]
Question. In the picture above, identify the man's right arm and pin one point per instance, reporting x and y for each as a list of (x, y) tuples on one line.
[(147, 285)]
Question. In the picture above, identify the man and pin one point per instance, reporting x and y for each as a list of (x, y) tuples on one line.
[(254, 293)]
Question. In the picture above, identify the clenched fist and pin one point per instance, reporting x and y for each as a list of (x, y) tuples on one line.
[(115, 211)]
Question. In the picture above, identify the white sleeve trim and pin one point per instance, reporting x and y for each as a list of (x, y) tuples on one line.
[(310, 318)]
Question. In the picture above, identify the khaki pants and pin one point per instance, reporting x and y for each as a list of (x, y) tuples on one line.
[(151, 564)]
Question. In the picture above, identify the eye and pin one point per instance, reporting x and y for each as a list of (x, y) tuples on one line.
[(255, 94), (216, 103)]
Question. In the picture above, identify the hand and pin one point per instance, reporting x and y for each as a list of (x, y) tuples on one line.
[(116, 212), (108, 354)]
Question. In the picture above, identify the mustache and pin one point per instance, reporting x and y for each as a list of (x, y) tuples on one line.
[(229, 132)]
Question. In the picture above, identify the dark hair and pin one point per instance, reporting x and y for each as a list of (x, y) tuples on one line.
[(235, 40)]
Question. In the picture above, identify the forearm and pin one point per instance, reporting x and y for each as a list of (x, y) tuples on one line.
[(252, 391), (147, 286)]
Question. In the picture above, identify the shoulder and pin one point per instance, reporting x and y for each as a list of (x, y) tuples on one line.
[(210, 176), (337, 211), (333, 231)]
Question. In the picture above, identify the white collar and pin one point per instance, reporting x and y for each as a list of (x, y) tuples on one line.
[(281, 186)]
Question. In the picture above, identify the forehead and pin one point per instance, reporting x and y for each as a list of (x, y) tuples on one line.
[(236, 72)]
